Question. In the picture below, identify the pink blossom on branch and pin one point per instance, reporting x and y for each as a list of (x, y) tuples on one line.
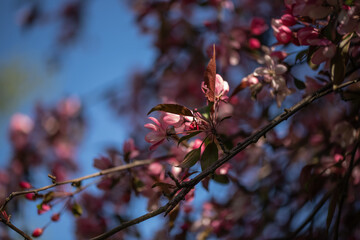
[(158, 133), (221, 88), (258, 26)]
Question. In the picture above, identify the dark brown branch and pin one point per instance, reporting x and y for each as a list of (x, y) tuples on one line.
[(344, 187), (13, 227), (132, 222), (187, 186), (312, 215)]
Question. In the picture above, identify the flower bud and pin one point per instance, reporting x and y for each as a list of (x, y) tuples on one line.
[(37, 232), (55, 217), (25, 185)]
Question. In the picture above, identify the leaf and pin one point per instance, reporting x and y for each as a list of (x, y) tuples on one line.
[(210, 77), (191, 158), (301, 56), (165, 187), (220, 178), (209, 156), (76, 209), (339, 61), (331, 210), (311, 51), (337, 69), (173, 215), (224, 118), (48, 197), (239, 88), (172, 108), (190, 135), (299, 84)]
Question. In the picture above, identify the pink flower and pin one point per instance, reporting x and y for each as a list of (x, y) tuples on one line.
[(284, 34), (254, 43), (37, 232), (44, 208), (30, 196), (288, 20), (221, 88), (158, 133), (173, 119), (25, 185), (21, 123), (130, 149), (280, 55), (155, 169), (258, 26)]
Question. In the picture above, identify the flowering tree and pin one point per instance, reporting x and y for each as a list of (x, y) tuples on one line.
[(297, 180)]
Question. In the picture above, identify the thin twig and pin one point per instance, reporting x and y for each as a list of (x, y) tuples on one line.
[(250, 140), (312, 215), (344, 188), (13, 227), (78, 180)]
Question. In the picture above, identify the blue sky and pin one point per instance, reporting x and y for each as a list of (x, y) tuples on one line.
[(109, 48)]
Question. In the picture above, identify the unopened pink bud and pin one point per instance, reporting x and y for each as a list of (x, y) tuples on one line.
[(44, 208), (254, 43), (37, 232), (288, 20), (30, 196), (55, 217), (284, 35), (25, 185)]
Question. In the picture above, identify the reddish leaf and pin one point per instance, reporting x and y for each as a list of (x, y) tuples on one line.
[(172, 108), (165, 187), (210, 77), (239, 88)]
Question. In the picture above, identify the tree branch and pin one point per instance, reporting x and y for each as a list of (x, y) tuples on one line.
[(77, 180), (13, 227), (187, 186), (344, 187)]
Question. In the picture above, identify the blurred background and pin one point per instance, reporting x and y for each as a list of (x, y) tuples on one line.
[(36, 68)]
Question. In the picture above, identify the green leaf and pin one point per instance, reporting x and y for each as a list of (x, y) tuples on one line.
[(48, 197), (191, 158), (209, 156), (339, 61), (76, 209), (301, 56), (172, 108), (299, 84), (312, 50), (172, 216), (331, 210), (337, 69), (190, 135), (223, 179), (349, 2)]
